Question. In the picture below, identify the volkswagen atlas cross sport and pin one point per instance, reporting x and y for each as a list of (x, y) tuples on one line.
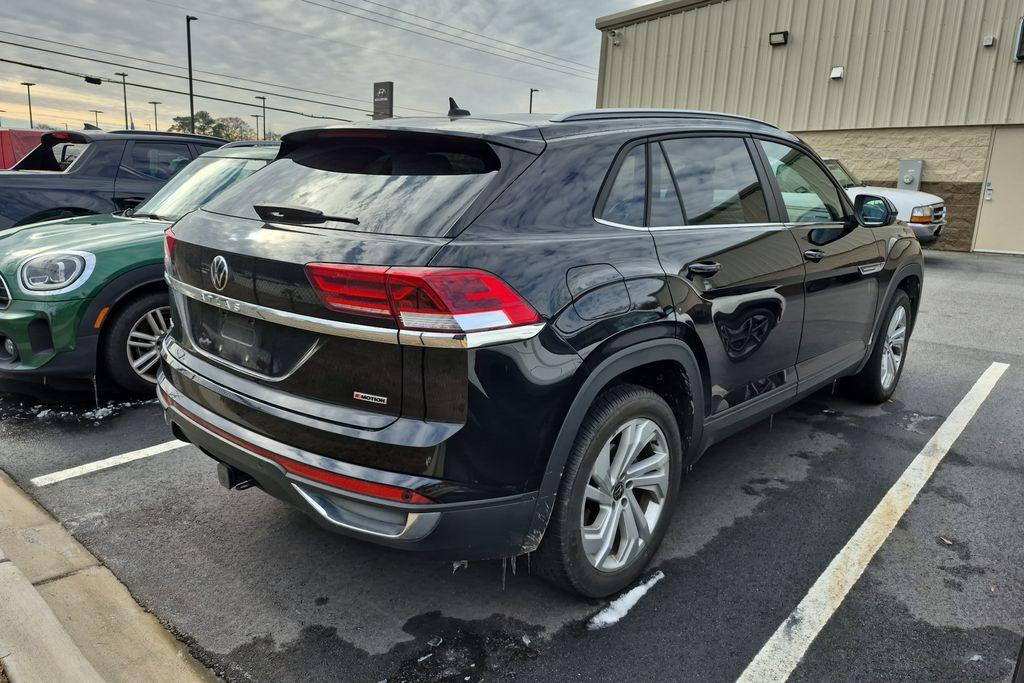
[(478, 337)]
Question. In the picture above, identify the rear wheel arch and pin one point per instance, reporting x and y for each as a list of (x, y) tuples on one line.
[(656, 364)]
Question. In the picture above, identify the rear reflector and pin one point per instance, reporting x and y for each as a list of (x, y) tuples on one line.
[(301, 469), (432, 299), (169, 241)]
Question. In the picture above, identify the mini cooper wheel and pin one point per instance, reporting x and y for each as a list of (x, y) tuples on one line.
[(616, 496), (879, 377), (131, 344)]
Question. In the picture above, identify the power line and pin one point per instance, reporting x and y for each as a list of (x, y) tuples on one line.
[(451, 42), (335, 42), (136, 84), (197, 80), (473, 33), (211, 73)]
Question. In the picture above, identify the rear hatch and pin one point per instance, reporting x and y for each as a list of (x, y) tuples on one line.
[(371, 199)]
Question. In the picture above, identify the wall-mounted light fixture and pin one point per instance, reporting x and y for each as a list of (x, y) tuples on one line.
[(837, 73), (615, 37), (776, 38)]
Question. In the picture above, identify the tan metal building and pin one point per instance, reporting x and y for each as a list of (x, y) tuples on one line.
[(872, 82)]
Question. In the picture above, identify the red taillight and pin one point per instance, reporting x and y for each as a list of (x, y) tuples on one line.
[(352, 289), (432, 299), (169, 241)]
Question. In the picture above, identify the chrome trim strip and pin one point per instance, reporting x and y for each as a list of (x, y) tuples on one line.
[(716, 226), (303, 322), (417, 524), (871, 268), (445, 340)]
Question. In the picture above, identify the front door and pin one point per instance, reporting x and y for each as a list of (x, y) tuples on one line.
[(842, 262), (736, 275)]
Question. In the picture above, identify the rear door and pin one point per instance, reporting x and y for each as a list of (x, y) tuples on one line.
[(843, 261), (145, 167), (737, 275)]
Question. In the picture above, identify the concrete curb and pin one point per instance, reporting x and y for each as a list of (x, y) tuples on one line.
[(33, 644), (65, 617)]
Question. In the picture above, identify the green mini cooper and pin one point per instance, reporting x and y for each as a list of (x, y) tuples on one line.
[(85, 296)]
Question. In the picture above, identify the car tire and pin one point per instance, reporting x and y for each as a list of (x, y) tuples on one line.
[(878, 379), (135, 323), (608, 562)]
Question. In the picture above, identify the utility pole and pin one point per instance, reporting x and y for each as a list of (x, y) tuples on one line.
[(191, 97), (154, 103), (124, 93), (532, 90), (28, 86), (257, 117), (261, 97), (96, 116), (2, 111)]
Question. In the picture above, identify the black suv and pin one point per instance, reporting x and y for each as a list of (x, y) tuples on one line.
[(479, 337)]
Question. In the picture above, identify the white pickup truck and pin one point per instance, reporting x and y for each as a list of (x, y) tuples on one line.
[(925, 213)]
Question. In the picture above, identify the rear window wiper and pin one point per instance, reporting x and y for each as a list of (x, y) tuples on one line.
[(290, 213)]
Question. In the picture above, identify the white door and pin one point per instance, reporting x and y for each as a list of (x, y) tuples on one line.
[(1001, 224)]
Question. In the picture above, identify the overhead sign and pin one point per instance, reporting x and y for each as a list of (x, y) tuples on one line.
[(383, 100)]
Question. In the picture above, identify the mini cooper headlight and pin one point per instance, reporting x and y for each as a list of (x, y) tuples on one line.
[(56, 272)]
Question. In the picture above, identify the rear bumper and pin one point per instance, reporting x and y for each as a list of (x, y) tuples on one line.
[(479, 529)]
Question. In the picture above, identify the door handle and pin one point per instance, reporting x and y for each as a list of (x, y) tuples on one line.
[(814, 255), (705, 268)]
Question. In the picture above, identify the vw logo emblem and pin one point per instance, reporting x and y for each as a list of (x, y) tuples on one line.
[(220, 273)]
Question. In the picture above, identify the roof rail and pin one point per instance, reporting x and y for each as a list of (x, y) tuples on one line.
[(164, 132), (602, 114), (252, 143)]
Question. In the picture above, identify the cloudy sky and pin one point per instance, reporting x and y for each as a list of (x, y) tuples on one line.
[(323, 50)]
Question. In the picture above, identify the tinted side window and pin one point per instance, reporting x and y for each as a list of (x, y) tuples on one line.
[(625, 201), (156, 160), (808, 194), (717, 181), (665, 207)]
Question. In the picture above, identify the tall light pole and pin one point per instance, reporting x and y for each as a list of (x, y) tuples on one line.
[(191, 97), (2, 111), (154, 103), (257, 117), (124, 93), (532, 90), (261, 97), (96, 116), (28, 87)]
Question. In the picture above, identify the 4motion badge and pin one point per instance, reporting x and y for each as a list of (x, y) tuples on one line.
[(370, 398)]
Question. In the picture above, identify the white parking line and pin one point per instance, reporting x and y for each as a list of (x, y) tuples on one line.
[(783, 651), (73, 472)]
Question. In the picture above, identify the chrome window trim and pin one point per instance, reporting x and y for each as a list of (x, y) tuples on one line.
[(716, 226), (337, 328)]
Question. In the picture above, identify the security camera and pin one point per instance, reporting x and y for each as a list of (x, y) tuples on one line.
[(613, 33)]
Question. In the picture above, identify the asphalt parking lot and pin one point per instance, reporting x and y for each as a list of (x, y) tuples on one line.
[(259, 592)]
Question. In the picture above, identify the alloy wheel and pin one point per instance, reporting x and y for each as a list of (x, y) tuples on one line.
[(626, 494), (144, 342), (893, 347)]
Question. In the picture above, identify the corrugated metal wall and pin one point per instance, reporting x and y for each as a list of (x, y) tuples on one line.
[(908, 62)]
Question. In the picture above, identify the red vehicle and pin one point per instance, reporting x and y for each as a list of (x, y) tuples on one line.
[(14, 144)]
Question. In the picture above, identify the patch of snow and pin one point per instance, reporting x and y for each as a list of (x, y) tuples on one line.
[(620, 606)]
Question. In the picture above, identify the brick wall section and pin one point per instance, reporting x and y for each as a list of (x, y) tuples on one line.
[(955, 162)]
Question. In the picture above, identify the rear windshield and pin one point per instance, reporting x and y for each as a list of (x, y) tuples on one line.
[(401, 185), (197, 183), (59, 157)]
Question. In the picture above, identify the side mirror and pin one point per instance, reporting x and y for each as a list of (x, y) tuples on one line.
[(872, 211)]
